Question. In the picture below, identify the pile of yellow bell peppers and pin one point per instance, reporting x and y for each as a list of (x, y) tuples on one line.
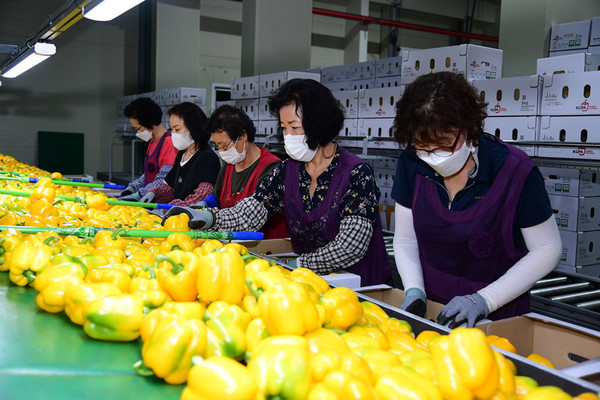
[(235, 326)]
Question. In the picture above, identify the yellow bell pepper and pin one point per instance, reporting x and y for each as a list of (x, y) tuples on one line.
[(506, 373), (92, 261), (379, 361), (108, 238), (401, 342), (9, 239), (221, 277), (169, 350), (327, 361), (51, 299), (112, 274), (280, 366), (232, 311), (373, 313), (228, 380), (342, 306), (28, 260), (189, 310), (402, 382), (501, 342), (425, 337), (255, 332), (113, 255), (474, 361), (448, 379), (322, 339), (286, 308), (396, 324), (116, 317), (356, 341), (177, 241), (305, 275), (207, 247), (255, 267), (224, 338), (77, 298), (524, 385), (341, 385), (236, 247), (69, 267), (97, 201), (43, 192), (149, 290), (177, 222), (177, 273), (540, 359), (43, 208), (547, 393), (372, 331), (250, 305)]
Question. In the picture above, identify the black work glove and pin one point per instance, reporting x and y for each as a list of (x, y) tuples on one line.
[(414, 302)]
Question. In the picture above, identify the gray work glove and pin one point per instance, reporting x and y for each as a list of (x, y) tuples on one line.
[(132, 197), (148, 197), (469, 309), (128, 190), (414, 302), (199, 219)]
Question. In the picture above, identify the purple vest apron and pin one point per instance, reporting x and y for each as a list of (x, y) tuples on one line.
[(315, 229), (151, 167), (464, 251)]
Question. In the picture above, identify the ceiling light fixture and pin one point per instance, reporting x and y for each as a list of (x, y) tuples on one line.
[(30, 58), (106, 10)]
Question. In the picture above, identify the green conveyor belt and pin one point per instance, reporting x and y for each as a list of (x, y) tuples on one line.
[(46, 356)]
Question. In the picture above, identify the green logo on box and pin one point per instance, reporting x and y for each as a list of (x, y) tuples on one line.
[(566, 187), (558, 187), (564, 223)]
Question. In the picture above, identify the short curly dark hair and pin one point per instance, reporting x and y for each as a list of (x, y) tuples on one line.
[(194, 118), (322, 114), (145, 110), (233, 121), (435, 104)]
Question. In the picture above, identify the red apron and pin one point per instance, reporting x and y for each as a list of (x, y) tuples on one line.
[(275, 227)]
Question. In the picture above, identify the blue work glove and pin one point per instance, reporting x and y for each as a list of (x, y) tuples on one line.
[(128, 190), (209, 202), (132, 197), (199, 219), (414, 302), (469, 309), (148, 197)]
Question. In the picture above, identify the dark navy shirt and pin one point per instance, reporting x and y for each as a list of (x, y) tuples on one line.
[(534, 205)]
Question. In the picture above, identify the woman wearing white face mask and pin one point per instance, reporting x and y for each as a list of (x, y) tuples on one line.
[(246, 164), (328, 196), (145, 116), (196, 166), (474, 225)]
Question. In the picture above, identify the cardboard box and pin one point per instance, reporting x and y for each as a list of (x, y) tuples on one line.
[(268, 127), (347, 137), (391, 66), (565, 52), (388, 81), (368, 83), (580, 130), (378, 102), (580, 248), (571, 182), (595, 32), (394, 298), (337, 73), (571, 94), (269, 83), (472, 61), (385, 198), (250, 106), (587, 270), (271, 247), (568, 64), (376, 127), (519, 96), (556, 340), (569, 152), (339, 86), (580, 214), (245, 88), (570, 35), (346, 279), (512, 129), (184, 94), (362, 70), (349, 99), (263, 109)]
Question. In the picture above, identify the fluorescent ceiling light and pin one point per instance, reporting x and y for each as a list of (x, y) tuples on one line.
[(106, 10), (31, 58)]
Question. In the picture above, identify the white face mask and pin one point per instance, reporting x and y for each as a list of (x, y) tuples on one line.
[(144, 135), (297, 149), (182, 141), (231, 156), (448, 164)]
